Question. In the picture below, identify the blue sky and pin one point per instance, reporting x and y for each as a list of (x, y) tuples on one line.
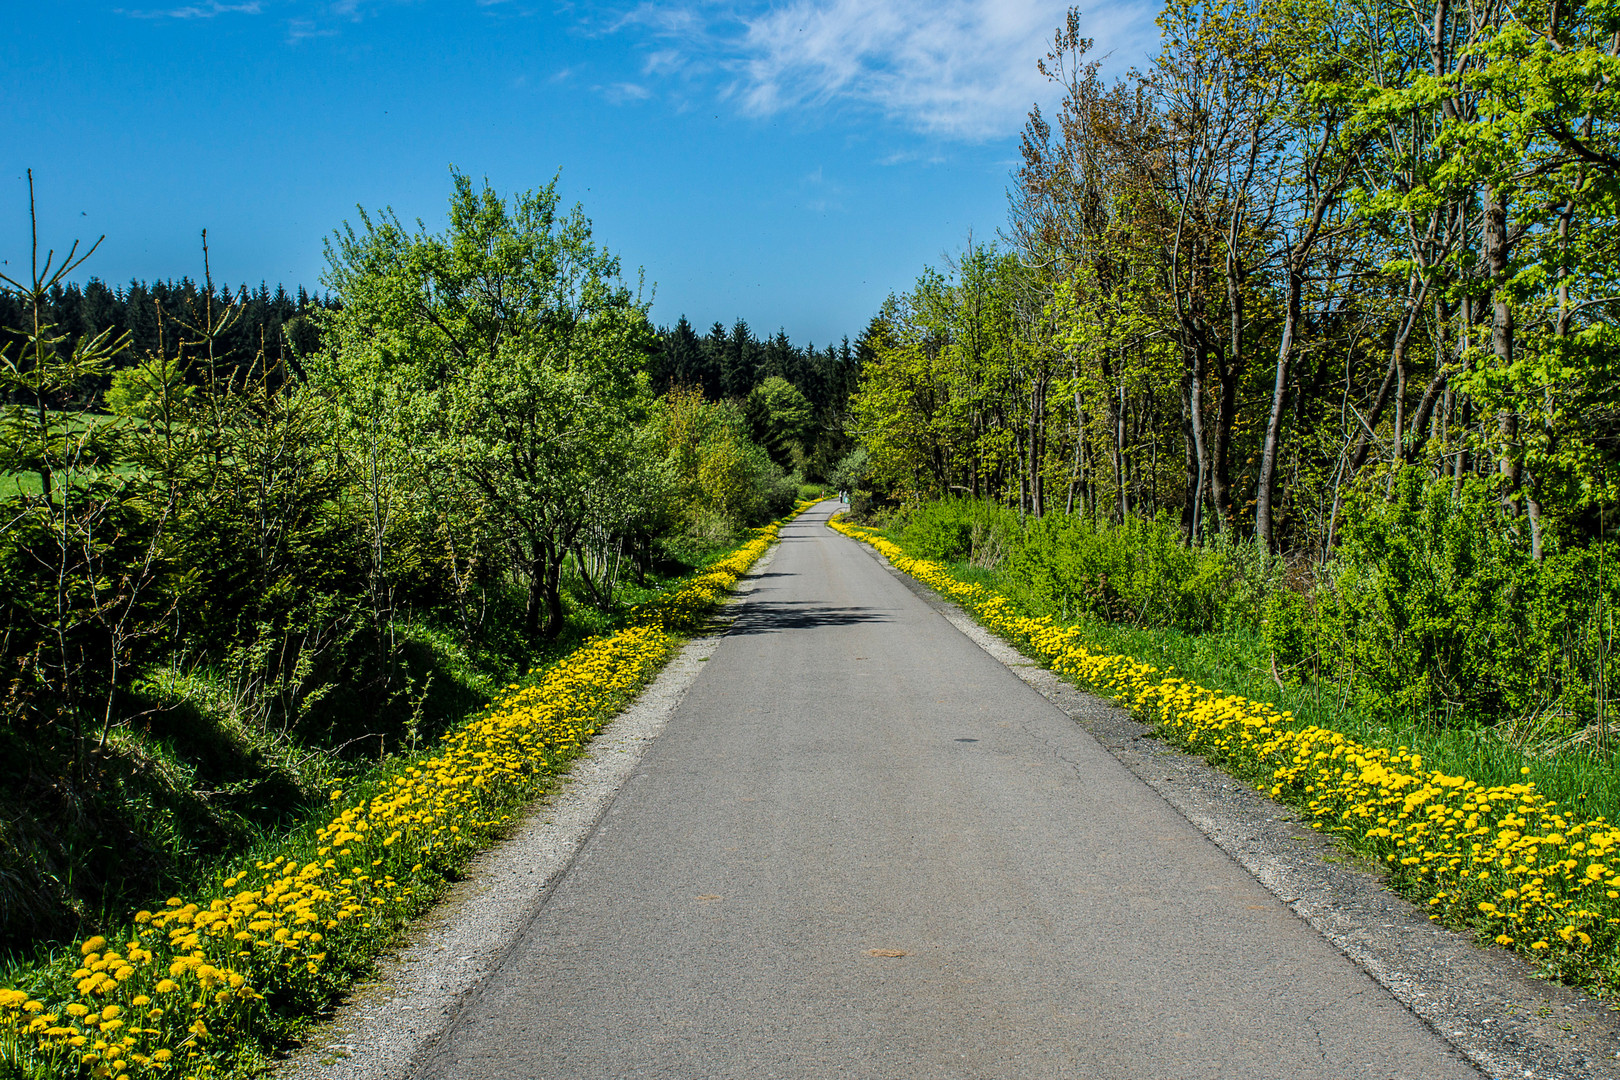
[(791, 163)]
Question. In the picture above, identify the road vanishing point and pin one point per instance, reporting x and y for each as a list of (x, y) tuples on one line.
[(862, 847)]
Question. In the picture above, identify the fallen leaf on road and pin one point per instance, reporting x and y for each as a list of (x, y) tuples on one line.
[(709, 896), (886, 952)]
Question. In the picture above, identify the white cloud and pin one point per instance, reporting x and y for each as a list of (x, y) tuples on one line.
[(301, 29), (623, 93), (662, 62), (328, 18), (955, 69), (195, 11), (911, 157), (961, 69)]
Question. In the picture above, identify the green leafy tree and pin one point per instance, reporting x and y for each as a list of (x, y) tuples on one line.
[(782, 419), (148, 390), (719, 476), (516, 339)]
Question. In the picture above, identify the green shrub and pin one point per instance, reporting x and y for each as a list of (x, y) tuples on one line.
[(1431, 610), (1433, 606), (1286, 627), (939, 530), (1140, 572), (967, 530)]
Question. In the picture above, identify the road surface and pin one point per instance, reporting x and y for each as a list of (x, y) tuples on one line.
[(864, 848)]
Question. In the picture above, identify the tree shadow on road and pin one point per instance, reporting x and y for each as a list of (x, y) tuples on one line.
[(770, 617)]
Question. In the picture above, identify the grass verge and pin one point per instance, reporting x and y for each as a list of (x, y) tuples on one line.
[(1503, 860), (211, 985)]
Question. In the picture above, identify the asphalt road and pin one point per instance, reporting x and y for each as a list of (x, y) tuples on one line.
[(862, 847)]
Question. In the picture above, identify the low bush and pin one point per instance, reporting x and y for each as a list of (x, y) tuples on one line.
[(1139, 572), (1434, 607), (968, 530)]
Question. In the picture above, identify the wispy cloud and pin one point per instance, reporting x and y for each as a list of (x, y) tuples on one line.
[(960, 69), (663, 62), (623, 93), (957, 69), (323, 18), (911, 157), (193, 11), (821, 195), (331, 18), (302, 29)]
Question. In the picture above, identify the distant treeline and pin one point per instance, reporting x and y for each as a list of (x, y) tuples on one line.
[(730, 363), (159, 316)]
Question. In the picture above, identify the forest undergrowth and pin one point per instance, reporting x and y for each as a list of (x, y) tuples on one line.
[(196, 782)]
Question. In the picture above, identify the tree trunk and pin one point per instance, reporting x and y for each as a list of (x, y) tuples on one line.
[(1400, 404), (1195, 405), (1263, 530), (1122, 465), (1190, 500), (555, 617), (1116, 436), (535, 599), (597, 596), (1425, 409), (1037, 409), (1496, 263), (1230, 374)]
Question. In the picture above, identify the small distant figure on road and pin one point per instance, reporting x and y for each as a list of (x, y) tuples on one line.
[(843, 496)]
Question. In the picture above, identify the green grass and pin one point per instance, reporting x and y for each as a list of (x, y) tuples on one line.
[(13, 485), (16, 484)]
